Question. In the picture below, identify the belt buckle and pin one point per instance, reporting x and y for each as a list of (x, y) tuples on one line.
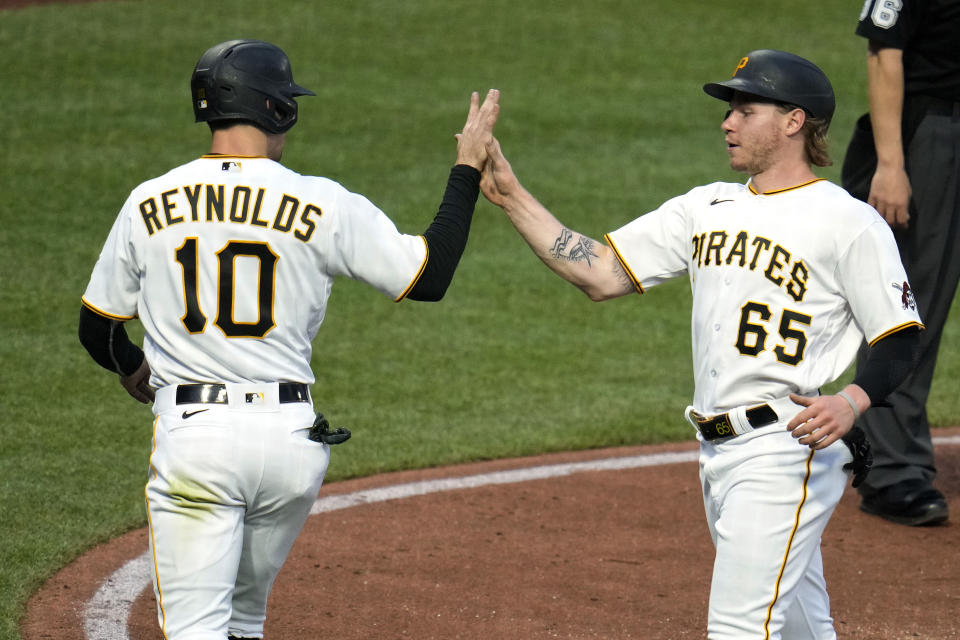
[(722, 427), (201, 393), (213, 394), (761, 415), (716, 427)]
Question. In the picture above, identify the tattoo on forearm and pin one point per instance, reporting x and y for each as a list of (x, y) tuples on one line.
[(582, 251), (560, 244)]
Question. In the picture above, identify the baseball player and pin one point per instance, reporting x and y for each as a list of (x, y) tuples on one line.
[(788, 273), (228, 261)]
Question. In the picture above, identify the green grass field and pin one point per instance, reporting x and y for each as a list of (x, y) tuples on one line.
[(602, 117)]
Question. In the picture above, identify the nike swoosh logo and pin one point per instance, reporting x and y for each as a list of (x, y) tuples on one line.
[(717, 201), (189, 414)]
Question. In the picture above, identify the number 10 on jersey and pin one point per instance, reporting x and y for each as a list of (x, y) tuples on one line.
[(195, 321)]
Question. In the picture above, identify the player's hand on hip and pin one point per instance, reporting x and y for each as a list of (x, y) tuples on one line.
[(890, 193), (824, 420), (478, 130), (137, 383)]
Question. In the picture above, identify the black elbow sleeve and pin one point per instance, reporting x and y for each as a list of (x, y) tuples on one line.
[(888, 363), (107, 343), (447, 235)]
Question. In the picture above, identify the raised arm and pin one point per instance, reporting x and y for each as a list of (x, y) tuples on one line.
[(591, 266), (446, 237)]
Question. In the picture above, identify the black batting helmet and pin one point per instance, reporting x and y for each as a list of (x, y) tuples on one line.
[(233, 81), (781, 77)]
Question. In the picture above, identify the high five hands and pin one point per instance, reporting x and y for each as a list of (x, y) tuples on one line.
[(477, 147), (498, 181), (477, 133)]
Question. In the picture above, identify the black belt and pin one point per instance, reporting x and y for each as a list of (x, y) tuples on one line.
[(932, 104), (217, 393), (719, 426)]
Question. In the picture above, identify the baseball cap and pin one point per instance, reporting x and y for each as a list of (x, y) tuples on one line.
[(782, 77)]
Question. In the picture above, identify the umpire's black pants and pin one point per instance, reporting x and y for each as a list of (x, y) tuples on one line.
[(930, 251)]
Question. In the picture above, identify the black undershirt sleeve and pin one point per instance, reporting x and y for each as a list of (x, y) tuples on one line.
[(107, 343), (888, 363), (447, 235)]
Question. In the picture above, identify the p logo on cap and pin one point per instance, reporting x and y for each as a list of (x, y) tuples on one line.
[(740, 65)]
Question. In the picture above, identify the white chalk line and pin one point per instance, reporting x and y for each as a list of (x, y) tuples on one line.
[(106, 615)]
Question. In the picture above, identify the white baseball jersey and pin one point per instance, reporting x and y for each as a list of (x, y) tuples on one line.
[(229, 262), (785, 284)]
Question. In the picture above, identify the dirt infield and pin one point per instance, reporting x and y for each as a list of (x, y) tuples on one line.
[(621, 553)]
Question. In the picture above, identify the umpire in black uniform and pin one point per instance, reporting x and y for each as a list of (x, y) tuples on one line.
[(903, 160)]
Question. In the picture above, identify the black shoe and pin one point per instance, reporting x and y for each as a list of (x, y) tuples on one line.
[(914, 503)]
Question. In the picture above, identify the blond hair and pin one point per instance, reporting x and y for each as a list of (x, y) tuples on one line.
[(814, 136), (815, 141)]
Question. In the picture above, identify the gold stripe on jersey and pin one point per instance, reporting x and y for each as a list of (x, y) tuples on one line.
[(423, 265), (101, 312), (216, 156), (897, 328), (754, 191), (786, 553), (623, 263), (153, 544)]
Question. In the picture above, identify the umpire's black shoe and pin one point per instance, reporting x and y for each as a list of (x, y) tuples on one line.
[(914, 503)]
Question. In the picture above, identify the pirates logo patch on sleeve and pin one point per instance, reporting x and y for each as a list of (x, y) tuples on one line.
[(906, 295)]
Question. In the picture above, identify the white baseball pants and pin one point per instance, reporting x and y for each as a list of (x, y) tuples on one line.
[(768, 500), (229, 490)]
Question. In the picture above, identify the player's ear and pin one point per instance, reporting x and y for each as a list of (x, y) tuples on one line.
[(796, 118)]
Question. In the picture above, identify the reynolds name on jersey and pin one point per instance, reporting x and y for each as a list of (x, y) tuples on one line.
[(238, 205)]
